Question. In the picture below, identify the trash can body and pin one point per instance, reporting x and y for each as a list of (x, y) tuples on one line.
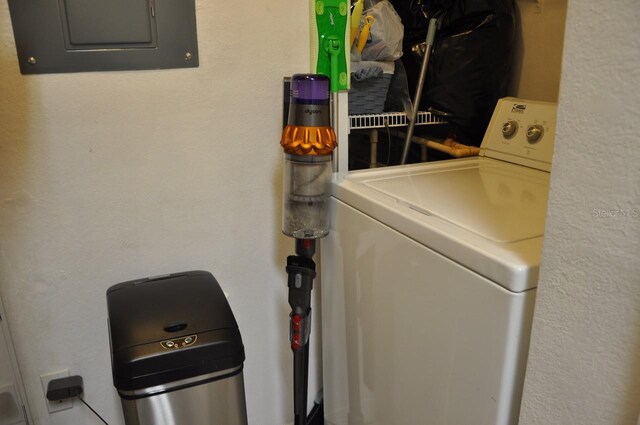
[(218, 402), (176, 351)]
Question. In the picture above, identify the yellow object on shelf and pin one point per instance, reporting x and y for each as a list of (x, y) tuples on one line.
[(356, 15), (364, 34)]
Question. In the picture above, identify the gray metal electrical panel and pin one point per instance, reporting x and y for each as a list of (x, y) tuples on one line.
[(104, 35)]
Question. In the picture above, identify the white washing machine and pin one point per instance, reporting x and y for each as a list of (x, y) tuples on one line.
[(428, 281)]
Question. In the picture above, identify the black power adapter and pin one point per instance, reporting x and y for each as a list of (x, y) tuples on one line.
[(67, 387)]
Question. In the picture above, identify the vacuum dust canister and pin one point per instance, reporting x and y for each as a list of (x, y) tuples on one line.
[(308, 141)]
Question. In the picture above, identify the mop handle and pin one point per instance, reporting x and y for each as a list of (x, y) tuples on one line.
[(431, 34)]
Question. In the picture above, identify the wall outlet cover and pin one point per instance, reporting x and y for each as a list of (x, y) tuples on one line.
[(55, 406)]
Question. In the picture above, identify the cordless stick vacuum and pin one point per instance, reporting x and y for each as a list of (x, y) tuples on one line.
[(308, 142)]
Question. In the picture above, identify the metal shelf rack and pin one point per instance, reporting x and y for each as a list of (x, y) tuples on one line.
[(373, 122), (391, 119)]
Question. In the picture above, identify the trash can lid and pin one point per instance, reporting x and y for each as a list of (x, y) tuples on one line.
[(170, 328)]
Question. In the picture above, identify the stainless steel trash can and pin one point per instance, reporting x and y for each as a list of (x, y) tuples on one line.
[(176, 351)]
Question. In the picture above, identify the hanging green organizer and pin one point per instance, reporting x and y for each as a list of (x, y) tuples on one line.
[(329, 55)]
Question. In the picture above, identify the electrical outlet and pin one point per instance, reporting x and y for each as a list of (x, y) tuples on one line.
[(55, 406)]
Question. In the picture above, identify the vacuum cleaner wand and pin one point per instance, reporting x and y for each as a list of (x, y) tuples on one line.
[(301, 270)]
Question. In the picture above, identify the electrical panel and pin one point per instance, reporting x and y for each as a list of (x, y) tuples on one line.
[(104, 35)]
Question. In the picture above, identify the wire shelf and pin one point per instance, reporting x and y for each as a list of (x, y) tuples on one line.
[(391, 119)]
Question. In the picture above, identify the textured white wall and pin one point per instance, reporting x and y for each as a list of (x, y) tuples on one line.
[(584, 363), (112, 176)]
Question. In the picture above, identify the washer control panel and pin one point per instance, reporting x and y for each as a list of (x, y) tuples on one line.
[(522, 132), (185, 341)]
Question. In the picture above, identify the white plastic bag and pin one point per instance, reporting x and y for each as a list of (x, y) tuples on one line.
[(385, 40)]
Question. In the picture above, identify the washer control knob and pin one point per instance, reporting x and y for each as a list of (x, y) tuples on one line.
[(534, 133), (509, 129)]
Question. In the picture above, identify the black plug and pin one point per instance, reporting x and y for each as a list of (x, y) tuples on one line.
[(70, 386), (62, 388)]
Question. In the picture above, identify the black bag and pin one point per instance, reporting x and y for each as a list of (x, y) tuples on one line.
[(470, 64)]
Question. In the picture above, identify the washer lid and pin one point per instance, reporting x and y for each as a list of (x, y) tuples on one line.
[(485, 214), (496, 200)]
